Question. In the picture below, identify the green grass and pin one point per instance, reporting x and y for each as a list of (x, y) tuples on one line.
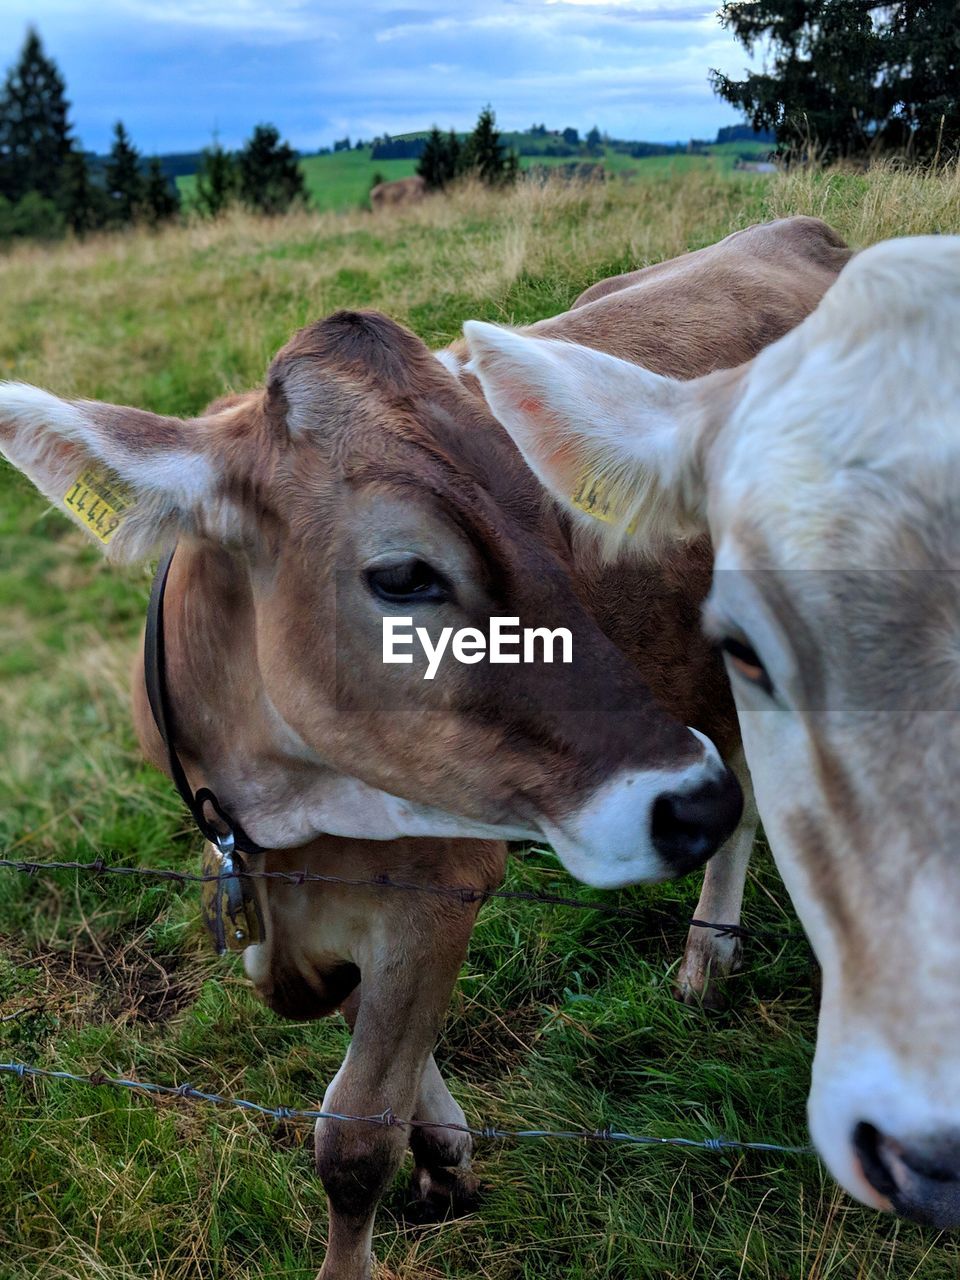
[(559, 1017)]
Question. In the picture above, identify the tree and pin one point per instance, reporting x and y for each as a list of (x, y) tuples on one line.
[(161, 199), (454, 155), (78, 198), (848, 76), (123, 178), (270, 177), (34, 132), (216, 181), (594, 141), (33, 216), (439, 163), (571, 137), (484, 153)]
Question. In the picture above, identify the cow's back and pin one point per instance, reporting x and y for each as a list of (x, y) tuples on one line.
[(710, 309), (399, 191)]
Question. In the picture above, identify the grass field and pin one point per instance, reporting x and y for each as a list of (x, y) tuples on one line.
[(559, 1017), (342, 180)]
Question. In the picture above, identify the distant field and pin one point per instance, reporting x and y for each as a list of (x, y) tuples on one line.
[(342, 180), (558, 1017)]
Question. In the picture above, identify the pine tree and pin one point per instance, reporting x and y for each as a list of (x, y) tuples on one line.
[(34, 132), (849, 76), (216, 181), (123, 178), (161, 199), (484, 153), (454, 156), (432, 166), (270, 176), (78, 198)]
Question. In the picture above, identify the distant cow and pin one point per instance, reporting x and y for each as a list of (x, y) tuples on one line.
[(827, 474), (368, 478), (386, 195)]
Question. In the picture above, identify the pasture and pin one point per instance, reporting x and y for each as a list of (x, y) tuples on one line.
[(342, 180), (560, 1017)]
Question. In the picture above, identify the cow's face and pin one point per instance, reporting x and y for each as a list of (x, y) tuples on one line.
[(827, 473), (359, 486)]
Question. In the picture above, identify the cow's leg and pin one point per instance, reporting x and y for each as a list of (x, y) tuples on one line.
[(404, 993), (443, 1180), (710, 957)]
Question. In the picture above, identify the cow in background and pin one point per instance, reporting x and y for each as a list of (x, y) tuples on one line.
[(388, 195)]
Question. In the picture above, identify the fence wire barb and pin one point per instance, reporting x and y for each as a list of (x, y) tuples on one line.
[(388, 1120), (465, 894)]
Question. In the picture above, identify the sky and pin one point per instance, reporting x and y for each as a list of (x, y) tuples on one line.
[(177, 71)]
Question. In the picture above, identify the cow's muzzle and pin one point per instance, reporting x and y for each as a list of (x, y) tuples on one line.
[(919, 1177)]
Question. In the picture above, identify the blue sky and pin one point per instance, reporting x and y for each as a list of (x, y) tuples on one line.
[(176, 70)]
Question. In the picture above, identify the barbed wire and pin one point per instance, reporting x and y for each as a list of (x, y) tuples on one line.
[(465, 894), (387, 1119)]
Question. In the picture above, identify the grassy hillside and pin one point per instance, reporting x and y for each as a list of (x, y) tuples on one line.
[(558, 1017), (342, 180)]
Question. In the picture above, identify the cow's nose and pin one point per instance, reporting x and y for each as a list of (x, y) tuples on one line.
[(920, 1178), (688, 827)]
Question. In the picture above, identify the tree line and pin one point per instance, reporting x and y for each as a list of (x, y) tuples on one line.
[(49, 184)]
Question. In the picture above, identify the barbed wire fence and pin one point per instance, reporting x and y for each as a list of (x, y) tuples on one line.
[(465, 894)]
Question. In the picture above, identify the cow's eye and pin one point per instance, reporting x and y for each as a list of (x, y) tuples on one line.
[(745, 661), (408, 582)]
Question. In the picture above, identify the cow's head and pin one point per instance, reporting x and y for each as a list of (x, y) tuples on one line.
[(827, 472), (361, 483)]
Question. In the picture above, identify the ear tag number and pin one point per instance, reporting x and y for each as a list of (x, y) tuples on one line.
[(592, 496), (99, 502)]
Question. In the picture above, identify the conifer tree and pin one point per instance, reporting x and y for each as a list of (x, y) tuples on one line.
[(484, 153), (34, 132), (432, 166), (123, 178), (161, 199), (270, 177), (454, 155), (216, 181), (78, 197), (850, 76)]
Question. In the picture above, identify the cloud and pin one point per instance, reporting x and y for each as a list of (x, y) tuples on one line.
[(174, 70)]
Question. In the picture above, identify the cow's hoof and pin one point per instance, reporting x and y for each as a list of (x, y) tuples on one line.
[(707, 962), (439, 1194)]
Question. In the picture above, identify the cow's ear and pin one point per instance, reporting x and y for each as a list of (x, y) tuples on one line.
[(615, 443), (131, 480)]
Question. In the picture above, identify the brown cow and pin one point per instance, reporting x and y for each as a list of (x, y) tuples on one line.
[(387, 195), (367, 479)]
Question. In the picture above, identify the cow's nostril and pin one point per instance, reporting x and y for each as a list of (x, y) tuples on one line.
[(687, 827), (871, 1152), (920, 1178)]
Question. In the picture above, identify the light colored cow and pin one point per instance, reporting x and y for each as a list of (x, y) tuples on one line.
[(827, 473), (367, 479)]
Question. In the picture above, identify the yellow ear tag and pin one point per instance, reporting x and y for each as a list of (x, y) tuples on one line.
[(98, 501), (592, 496)]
